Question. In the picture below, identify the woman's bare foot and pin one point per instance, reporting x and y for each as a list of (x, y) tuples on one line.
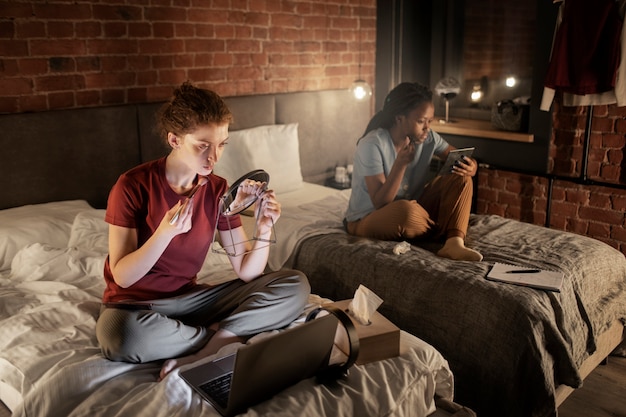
[(172, 364), (455, 248), (218, 340)]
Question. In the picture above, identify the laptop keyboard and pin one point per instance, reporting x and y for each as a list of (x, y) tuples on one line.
[(218, 389)]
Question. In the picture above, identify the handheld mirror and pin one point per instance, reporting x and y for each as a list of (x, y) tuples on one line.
[(234, 202)]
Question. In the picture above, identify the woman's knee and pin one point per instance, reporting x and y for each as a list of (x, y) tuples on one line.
[(468, 182), (416, 221), (410, 209), (304, 288), (119, 335), (296, 285), (463, 182), (289, 291)]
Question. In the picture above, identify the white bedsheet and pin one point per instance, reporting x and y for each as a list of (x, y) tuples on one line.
[(50, 364), (308, 211)]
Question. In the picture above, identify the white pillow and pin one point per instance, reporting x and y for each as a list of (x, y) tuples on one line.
[(272, 148), (48, 223), (90, 231)]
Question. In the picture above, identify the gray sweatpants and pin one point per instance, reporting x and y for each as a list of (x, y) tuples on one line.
[(177, 326)]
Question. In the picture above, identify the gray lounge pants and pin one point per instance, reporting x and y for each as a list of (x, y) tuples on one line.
[(177, 326)]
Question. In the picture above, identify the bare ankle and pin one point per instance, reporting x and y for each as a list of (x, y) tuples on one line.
[(455, 249)]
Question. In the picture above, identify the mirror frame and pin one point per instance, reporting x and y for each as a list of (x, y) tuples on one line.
[(231, 194), (225, 201)]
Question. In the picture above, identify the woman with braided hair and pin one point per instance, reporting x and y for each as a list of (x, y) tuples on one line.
[(391, 197)]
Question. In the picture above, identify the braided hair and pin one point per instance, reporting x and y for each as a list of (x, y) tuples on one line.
[(400, 101)]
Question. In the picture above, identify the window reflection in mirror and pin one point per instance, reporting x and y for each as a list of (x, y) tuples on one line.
[(498, 41)]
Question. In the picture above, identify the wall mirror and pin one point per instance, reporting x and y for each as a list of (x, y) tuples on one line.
[(489, 47), (498, 51), (426, 41), (482, 43)]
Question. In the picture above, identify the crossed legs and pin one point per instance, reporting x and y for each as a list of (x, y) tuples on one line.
[(443, 210)]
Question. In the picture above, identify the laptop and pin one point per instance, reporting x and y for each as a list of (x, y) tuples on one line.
[(259, 370)]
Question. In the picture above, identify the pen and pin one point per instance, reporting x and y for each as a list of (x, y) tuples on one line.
[(524, 271)]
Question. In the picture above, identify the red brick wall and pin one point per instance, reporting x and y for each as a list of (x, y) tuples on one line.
[(508, 28), (598, 211), (68, 54), (606, 146)]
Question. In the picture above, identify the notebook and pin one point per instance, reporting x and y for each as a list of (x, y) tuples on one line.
[(526, 276), (259, 370)]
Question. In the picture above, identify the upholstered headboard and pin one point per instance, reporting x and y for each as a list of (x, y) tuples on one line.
[(79, 153)]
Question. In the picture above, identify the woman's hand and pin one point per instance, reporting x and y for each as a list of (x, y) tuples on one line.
[(130, 262), (177, 220), (406, 154), (267, 211), (254, 257), (465, 166), (247, 192)]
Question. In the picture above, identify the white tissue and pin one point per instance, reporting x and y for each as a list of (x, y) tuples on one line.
[(402, 247), (364, 304)]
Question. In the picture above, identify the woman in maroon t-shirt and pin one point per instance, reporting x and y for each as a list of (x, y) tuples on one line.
[(159, 236)]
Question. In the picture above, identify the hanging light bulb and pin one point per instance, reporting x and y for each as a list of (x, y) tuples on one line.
[(361, 90)]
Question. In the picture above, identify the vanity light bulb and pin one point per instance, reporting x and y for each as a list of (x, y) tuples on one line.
[(510, 81), (476, 95)]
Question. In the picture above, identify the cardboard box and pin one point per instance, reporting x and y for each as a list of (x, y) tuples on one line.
[(377, 341)]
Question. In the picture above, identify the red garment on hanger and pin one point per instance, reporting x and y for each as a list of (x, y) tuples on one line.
[(586, 50)]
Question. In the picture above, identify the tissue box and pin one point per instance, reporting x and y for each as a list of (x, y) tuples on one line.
[(378, 340)]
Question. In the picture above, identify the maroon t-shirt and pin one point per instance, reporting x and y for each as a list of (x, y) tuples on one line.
[(139, 200)]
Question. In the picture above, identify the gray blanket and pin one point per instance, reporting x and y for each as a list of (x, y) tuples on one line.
[(508, 346)]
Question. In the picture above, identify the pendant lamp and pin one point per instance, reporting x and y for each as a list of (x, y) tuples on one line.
[(360, 89)]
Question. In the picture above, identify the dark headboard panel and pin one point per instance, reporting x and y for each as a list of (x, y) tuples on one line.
[(65, 155), (330, 122), (78, 154)]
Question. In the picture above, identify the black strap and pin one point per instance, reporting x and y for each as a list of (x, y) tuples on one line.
[(337, 371)]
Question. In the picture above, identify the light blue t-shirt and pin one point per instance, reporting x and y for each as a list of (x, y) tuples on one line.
[(375, 154)]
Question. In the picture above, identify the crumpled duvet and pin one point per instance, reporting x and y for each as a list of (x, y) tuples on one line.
[(50, 364)]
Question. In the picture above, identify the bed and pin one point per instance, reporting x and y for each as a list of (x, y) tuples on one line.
[(50, 363), (53, 242), (514, 351)]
